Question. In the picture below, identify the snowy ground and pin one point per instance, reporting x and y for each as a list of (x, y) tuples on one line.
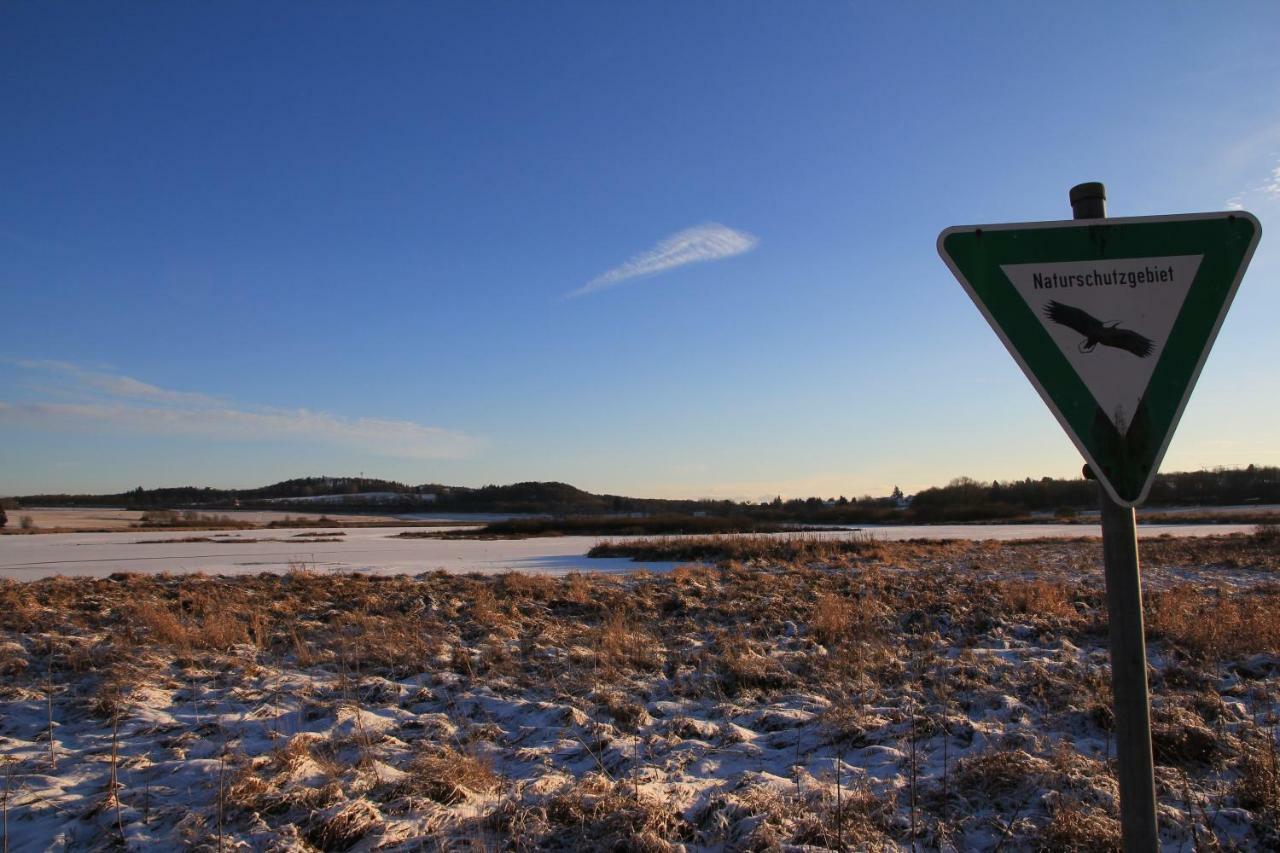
[(946, 695), (379, 550)]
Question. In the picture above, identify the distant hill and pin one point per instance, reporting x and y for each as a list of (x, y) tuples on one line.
[(964, 499), (357, 493)]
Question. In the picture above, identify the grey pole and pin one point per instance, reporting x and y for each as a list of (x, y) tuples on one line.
[(1128, 645)]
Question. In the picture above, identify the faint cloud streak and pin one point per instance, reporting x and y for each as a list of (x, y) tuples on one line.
[(1268, 189), (141, 408), (708, 242)]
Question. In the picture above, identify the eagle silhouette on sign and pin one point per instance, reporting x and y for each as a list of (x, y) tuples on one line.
[(1097, 332)]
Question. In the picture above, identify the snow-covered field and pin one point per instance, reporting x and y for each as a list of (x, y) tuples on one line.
[(379, 550), (894, 695), (373, 550)]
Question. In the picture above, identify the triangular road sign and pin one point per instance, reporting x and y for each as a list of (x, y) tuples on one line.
[(1110, 319)]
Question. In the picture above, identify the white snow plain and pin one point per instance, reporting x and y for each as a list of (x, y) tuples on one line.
[(377, 550)]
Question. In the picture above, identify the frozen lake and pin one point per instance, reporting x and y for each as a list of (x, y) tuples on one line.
[(376, 550)]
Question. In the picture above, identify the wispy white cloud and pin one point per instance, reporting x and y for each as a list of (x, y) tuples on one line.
[(116, 385), (114, 402), (1267, 189), (707, 242), (1272, 186)]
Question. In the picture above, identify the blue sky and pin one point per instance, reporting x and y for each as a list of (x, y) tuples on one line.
[(660, 249)]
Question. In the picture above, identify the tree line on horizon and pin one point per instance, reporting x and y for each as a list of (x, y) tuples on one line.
[(963, 499)]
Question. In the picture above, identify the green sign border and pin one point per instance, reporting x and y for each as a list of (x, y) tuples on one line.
[(1125, 464)]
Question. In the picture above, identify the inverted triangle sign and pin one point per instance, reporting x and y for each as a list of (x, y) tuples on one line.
[(1110, 319)]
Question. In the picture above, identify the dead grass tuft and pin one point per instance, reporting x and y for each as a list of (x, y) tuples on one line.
[(832, 617), (1002, 776), (1040, 598), (759, 817), (1258, 785), (1211, 625), (600, 814), (342, 825), (1080, 827), (518, 585), (744, 667), (621, 643), (444, 774), (1180, 738)]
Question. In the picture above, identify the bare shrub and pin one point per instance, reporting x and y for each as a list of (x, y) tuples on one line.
[(1267, 534), (1258, 786)]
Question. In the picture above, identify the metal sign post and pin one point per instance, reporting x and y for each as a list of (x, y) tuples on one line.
[(1111, 320), (1135, 771)]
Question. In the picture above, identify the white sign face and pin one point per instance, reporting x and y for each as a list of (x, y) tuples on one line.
[(1111, 319)]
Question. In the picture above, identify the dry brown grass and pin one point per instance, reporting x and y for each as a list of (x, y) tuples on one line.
[(209, 626), (1040, 598), (395, 641), (747, 666), (449, 776), (758, 817), (1216, 624), (1005, 776), (920, 643), (747, 547), (833, 615), (1256, 551), (1076, 826), (578, 589), (601, 814), (343, 825), (281, 781), (1258, 785), (1180, 738), (620, 642)]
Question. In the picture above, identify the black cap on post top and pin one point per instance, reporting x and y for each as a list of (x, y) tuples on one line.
[(1089, 201)]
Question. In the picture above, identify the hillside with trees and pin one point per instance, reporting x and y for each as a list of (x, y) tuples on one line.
[(963, 499)]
